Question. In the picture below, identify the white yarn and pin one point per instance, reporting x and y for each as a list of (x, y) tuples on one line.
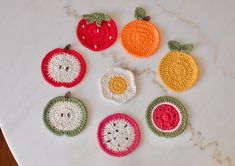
[(118, 135), (57, 68), (130, 80), (65, 115)]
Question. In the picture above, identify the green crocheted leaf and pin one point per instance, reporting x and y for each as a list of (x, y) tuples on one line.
[(96, 17), (139, 13), (174, 45), (186, 48)]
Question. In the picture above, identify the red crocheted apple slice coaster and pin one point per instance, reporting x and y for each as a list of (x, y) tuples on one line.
[(118, 135), (97, 31), (63, 67)]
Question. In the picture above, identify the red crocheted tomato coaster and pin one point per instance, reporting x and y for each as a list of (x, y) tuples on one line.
[(97, 31), (118, 135), (63, 67)]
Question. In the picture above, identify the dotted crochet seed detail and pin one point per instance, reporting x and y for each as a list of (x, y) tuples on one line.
[(166, 117), (63, 68), (118, 85), (118, 135), (97, 38), (64, 115), (140, 38), (178, 71)]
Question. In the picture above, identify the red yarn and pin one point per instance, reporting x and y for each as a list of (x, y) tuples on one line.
[(46, 60), (96, 41), (111, 118), (166, 117)]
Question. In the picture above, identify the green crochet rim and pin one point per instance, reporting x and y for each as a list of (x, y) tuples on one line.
[(182, 110), (69, 133)]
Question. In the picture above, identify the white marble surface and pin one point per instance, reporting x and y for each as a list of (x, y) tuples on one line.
[(29, 29)]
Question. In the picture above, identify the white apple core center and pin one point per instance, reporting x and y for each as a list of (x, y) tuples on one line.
[(63, 68), (65, 115)]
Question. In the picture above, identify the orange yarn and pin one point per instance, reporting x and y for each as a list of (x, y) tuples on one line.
[(140, 38)]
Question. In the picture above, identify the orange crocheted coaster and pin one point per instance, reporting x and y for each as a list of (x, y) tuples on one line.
[(140, 38), (178, 70)]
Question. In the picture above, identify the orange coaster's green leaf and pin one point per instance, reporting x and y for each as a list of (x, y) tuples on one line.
[(139, 13)]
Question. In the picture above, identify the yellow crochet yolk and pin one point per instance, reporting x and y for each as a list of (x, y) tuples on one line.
[(178, 71), (117, 85)]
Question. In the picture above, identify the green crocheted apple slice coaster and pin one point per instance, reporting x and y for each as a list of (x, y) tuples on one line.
[(166, 117), (65, 115)]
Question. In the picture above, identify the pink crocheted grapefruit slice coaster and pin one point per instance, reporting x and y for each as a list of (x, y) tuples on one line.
[(118, 135), (63, 67), (97, 31), (166, 117)]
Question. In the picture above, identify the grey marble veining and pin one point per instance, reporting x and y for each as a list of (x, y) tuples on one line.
[(29, 29)]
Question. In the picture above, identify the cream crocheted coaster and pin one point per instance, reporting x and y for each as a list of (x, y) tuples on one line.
[(118, 85), (65, 115)]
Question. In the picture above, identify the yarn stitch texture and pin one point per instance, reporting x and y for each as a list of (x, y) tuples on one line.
[(97, 31), (118, 85), (166, 117), (177, 70), (118, 135), (62, 67), (140, 38), (65, 116)]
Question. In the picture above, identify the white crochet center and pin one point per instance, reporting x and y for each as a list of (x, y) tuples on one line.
[(65, 115), (118, 135), (63, 68), (130, 80)]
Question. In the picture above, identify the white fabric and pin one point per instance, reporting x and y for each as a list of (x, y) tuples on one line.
[(118, 135), (57, 68), (65, 115), (130, 80)]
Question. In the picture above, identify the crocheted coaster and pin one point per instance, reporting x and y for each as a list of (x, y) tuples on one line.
[(96, 31), (140, 37), (118, 85), (178, 70), (63, 67), (118, 135), (166, 117), (65, 115)]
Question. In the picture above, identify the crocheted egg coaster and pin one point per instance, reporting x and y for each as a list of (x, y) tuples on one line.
[(96, 31), (63, 67), (140, 38), (118, 135), (178, 70), (65, 115), (118, 85), (166, 117)]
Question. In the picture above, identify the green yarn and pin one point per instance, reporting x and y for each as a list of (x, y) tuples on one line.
[(96, 17), (184, 117), (175, 46), (139, 13), (69, 133)]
